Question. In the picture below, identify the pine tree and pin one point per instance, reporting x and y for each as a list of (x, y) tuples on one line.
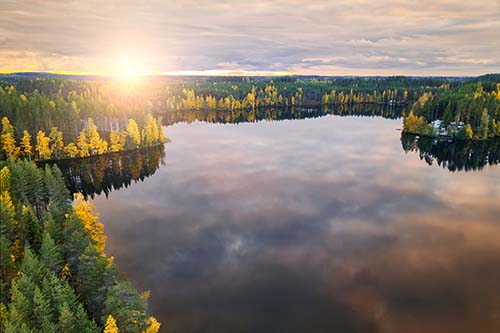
[(484, 125), (50, 254), (76, 239), (8, 266), (127, 307), (56, 143), (67, 321), (30, 228), (57, 193), (43, 313), (55, 229), (95, 277), (21, 306), (4, 314)]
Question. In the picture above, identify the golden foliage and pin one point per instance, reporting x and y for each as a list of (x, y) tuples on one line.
[(26, 144), (43, 146), (85, 211), (8, 139), (110, 326), (154, 325)]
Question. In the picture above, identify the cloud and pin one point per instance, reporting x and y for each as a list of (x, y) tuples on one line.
[(365, 36)]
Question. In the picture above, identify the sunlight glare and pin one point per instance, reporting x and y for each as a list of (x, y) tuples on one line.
[(130, 68)]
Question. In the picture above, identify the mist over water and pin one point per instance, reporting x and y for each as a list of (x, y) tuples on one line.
[(322, 225)]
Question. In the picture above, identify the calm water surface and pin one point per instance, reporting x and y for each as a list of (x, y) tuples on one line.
[(311, 225)]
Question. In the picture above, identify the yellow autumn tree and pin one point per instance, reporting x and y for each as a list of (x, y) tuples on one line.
[(413, 124), (468, 131), (82, 144), (150, 132), (71, 150), (110, 326), (134, 133), (97, 146), (43, 146), (27, 149), (85, 211), (8, 140), (154, 325), (159, 124), (5, 189), (117, 141)]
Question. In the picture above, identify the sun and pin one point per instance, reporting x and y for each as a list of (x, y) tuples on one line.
[(129, 67), (130, 71)]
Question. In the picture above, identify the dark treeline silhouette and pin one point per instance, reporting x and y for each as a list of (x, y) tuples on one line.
[(105, 173), (454, 155), (276, 113)]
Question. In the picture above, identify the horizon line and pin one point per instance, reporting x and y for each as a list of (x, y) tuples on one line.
[(222, 73)]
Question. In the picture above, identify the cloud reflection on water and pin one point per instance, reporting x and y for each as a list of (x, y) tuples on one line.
[(313, 225)]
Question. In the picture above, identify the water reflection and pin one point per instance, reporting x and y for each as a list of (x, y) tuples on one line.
[(454, 155), (113, 171), (241, 116), (314, 225)]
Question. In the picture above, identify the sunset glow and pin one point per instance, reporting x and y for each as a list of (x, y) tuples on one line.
[(216, 37)]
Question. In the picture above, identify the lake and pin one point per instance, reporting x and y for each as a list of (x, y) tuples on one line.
[(322, 224)]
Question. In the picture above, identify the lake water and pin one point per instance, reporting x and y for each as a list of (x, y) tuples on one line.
[(311, 225)]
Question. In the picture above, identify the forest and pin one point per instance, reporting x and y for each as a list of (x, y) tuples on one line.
[(472, 111), (88, 142), (35, 104), (55, 275), (47, 106)]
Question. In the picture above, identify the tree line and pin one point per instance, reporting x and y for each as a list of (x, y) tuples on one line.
[(55, 275), (102, 174), (88, 142), (35, 104), (471, 111)]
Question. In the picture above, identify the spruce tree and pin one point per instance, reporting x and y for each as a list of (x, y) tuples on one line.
[(50, 255)]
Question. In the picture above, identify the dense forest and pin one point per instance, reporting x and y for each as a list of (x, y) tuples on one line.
[(471, 111), (35, 104), (57, 104), (55, 275), (88, 142)]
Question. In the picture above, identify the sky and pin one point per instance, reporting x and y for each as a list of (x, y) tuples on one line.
[(360, 37)]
